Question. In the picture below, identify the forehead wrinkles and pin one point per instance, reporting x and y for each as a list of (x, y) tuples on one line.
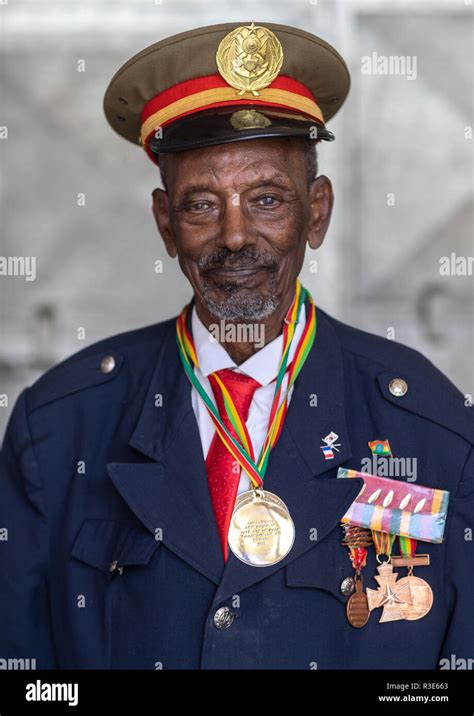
[(259, 171), (235, 173)]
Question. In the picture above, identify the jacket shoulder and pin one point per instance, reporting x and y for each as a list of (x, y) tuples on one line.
[(429, 393), (99, 363)]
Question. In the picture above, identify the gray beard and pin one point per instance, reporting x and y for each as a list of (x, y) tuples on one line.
[(240, 306)]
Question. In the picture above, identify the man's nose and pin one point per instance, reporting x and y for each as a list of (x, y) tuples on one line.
[(235, 231)]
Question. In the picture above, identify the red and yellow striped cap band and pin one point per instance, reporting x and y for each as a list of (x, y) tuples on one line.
[(203, 93)]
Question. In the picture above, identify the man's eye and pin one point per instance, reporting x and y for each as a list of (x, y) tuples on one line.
[(199, 206), (267, 200)]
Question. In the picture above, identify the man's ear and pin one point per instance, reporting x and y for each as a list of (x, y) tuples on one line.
[(162, 217), (321, 199)]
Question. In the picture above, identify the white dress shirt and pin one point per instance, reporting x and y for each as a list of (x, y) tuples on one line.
[(262, 366)]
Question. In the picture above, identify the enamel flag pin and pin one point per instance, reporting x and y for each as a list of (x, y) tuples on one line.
[(330, 446), (380, 447)]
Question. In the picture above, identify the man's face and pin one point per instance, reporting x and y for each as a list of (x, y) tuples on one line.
[(238, 217)]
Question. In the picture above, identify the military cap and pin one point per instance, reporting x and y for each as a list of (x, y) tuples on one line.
[(225, 83)]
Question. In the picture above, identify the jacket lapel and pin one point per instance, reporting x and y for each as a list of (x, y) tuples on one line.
[(171, 493)]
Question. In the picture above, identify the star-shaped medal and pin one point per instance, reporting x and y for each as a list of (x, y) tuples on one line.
[(389, 594)]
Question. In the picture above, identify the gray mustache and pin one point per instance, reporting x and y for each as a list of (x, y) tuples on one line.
[(241, 263)]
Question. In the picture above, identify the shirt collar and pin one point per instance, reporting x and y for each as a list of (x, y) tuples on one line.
[(262, 366)]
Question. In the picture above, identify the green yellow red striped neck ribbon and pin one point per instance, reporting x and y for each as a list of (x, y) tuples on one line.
[(241, 448)]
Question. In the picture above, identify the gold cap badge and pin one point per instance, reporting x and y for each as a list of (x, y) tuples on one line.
[(249, 119), (249, 58)]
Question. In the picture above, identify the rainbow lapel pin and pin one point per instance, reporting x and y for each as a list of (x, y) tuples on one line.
[(380, 447)]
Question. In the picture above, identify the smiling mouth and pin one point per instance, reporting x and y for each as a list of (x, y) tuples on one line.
[(236, 270)]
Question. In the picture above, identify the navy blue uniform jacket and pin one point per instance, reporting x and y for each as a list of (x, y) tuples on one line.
[(109, 553)]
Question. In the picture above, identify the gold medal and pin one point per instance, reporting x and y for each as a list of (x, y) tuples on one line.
[(261, 531)]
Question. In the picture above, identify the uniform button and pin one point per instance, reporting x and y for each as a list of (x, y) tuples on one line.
[(113, 567), (107, 364), (398, 387), (223, 618), (347, 586)]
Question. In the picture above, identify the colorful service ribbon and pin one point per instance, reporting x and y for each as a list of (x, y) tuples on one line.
[(407, 546), (241, 448), (383, 544)]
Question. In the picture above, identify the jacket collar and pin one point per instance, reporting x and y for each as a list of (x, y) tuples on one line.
[(171, 493)]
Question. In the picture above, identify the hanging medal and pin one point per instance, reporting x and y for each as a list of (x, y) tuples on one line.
[(261, 531), (390, 595), (420, 593), (357, 539)]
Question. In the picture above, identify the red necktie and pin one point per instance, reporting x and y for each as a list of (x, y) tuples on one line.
[(223, 471)]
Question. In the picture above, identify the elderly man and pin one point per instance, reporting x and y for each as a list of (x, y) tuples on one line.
[(219, 490)]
